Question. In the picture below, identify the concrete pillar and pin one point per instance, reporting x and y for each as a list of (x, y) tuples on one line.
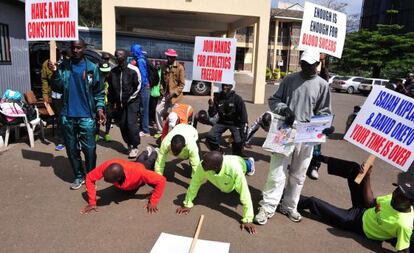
[(108, 27), (260, 57), (254, 45), (275, 44)]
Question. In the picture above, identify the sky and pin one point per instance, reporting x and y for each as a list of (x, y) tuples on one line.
[(354, 6)]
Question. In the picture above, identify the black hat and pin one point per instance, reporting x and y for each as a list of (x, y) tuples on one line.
[(407, 189)]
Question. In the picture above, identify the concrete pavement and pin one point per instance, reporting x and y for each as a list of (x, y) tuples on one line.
[(40, 214)]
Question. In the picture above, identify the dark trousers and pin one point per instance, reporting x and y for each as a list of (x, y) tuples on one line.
[(57, 105), (217, 130), (148, 161), (128, 123), (349, 219), (152, 108)]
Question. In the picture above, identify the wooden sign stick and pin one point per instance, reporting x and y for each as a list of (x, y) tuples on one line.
[(193, 243), (52, 51), (368, 163)]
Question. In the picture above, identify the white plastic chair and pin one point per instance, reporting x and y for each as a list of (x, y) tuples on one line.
[(30, 126)]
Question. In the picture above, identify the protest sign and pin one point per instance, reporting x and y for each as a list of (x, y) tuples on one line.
[(167, 243), (385, 127), (280, 138), (323, 29), (51, 20), (214, 59)]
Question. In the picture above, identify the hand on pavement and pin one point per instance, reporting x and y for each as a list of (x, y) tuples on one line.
[(183, 210), (88, 209), (250, 227), (151, 208)]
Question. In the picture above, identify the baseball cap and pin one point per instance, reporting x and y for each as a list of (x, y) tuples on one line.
[(407, 189), (310, 55), (104, 67)]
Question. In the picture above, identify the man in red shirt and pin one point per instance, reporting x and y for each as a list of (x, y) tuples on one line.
[(127, 176)]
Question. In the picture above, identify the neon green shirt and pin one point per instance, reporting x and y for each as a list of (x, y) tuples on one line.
[(384, 222), (190, 151), (231, 177)]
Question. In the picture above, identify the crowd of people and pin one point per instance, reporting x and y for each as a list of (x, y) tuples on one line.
[(129, 96)]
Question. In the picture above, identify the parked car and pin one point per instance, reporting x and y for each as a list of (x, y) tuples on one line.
[(366, 86), (347, 83), (332, 78), (39, 52)]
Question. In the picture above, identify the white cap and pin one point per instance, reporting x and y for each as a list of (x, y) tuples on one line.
[(172, 120), (310, 56)]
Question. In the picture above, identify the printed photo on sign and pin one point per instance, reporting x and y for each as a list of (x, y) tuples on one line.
[(385, 127), (323, 29)]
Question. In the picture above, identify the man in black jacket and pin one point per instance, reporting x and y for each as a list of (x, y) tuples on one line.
[(232, 115), (124, 94)]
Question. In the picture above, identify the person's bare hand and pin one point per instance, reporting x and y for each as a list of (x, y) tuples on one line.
[(151, 208), (250, 227), (102, 118), (210, 102), (183, 210), (52, 65), (88, 209), (361, 169)]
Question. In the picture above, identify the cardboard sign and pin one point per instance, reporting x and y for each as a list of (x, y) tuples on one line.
[(385, 127), (51, 20), (323, 29), (214, 59), (168, 243)]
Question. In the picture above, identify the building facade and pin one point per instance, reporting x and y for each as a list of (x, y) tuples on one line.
[(375, 12), (14, 49)]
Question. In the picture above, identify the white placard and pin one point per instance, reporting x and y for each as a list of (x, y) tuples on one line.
[(168, 243), (385, 127), (214, 59), (51, 20), (323, 29)]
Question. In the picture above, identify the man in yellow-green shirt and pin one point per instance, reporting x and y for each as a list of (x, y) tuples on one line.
[(227, 173), (384, 218), (182, 143)]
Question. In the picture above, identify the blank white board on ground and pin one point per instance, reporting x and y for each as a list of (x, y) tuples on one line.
[(168, 243)]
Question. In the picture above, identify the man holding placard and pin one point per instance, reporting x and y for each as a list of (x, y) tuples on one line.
[(300, 96), (83, 98)]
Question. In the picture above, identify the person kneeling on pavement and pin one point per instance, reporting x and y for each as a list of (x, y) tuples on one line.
[(127, 176), (384, 218), (232, 115), (227, 173), (182, 143)]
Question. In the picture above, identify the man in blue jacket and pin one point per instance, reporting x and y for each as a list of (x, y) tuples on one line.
[(83, 98), (137, 53)]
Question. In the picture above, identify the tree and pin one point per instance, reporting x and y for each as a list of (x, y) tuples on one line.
[(90, 13)]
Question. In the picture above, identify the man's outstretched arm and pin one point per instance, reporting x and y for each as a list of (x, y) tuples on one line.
[(369, 199)]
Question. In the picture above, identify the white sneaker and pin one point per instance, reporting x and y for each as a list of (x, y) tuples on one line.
[(262, 216), (142, 134), (252, 169), (293, 215), (149, 150), (133, 153)]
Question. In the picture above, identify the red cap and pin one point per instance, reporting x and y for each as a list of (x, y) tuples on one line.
[(171, 52)]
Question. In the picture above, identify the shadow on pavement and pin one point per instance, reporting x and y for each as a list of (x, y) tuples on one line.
[(59, 164), (113, 144), (225, 203), (375, 246), (112, 194)]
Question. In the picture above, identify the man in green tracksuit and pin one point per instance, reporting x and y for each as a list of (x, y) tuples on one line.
[(227, 173), (182, 143), (83, 98)]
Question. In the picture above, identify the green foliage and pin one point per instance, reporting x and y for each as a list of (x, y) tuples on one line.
[(90, 13), (276, 73), (384, 53), (282, 74), (268, 74)]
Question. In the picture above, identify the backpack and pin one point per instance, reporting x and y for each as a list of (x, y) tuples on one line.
[(153, 77)]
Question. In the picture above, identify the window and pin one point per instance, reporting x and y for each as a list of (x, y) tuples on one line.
[(358, 79), (377, 82), (5, 57)]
